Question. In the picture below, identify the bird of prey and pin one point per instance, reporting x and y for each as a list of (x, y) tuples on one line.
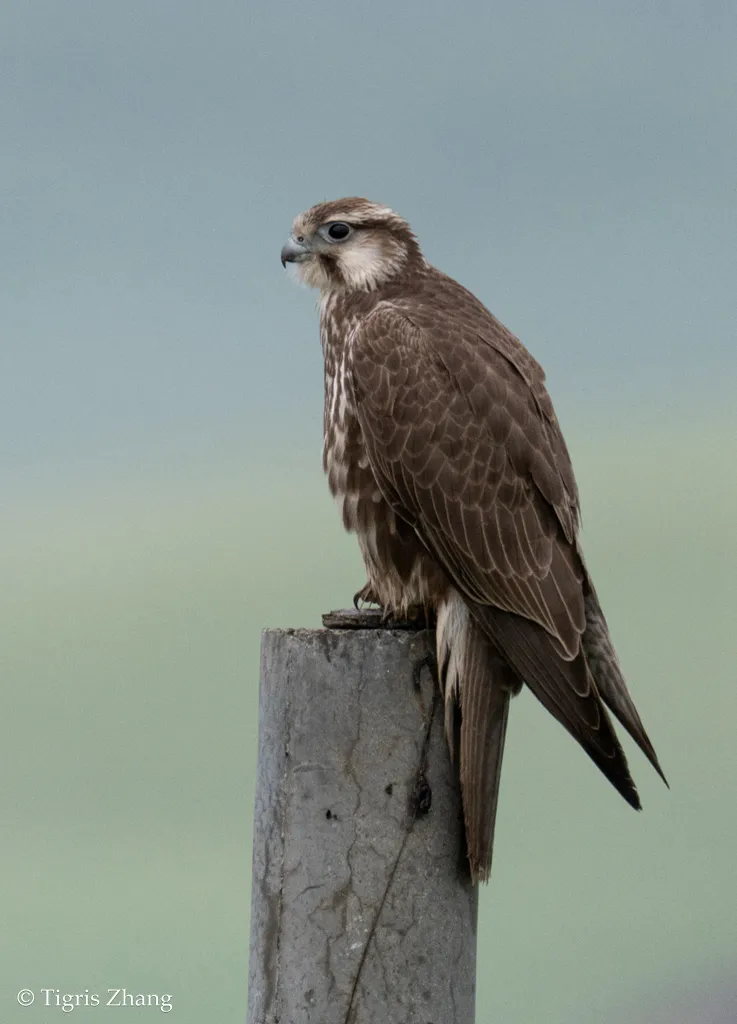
[(443, 450)]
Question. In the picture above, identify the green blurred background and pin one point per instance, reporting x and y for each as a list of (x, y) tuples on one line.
[(162, 499)]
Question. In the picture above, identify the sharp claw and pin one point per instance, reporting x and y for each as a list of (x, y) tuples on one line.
[(364, 596)]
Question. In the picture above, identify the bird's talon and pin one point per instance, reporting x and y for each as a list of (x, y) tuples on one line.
[(365, 596)]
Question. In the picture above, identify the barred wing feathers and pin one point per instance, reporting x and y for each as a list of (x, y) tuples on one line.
[(465, 446)]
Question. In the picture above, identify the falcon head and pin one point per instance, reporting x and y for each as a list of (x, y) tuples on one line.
[(349, 244)]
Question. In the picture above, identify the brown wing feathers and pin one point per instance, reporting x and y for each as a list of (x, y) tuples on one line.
[(465, 446), (565, 688), (603, 663), (470, 495)]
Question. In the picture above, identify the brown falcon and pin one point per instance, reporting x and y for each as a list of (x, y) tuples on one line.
[(446, 457)]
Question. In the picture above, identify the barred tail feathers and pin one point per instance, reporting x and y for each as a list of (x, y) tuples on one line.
[(477, 687)]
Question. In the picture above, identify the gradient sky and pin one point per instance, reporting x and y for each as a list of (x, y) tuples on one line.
[(160, 436), (572, 163)]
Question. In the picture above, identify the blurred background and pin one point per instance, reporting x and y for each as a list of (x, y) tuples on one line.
[(160, 442)]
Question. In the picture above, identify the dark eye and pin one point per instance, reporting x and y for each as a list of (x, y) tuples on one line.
[(338, 231)]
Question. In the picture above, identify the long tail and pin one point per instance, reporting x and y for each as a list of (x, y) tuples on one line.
[(484, 653), (477, 685)]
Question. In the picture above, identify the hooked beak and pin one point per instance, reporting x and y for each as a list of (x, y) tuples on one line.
[(294, 252)]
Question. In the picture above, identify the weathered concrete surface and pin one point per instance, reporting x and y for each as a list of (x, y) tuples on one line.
[(361, 913)]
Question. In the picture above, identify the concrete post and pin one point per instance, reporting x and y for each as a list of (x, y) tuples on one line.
[(362, 910)]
